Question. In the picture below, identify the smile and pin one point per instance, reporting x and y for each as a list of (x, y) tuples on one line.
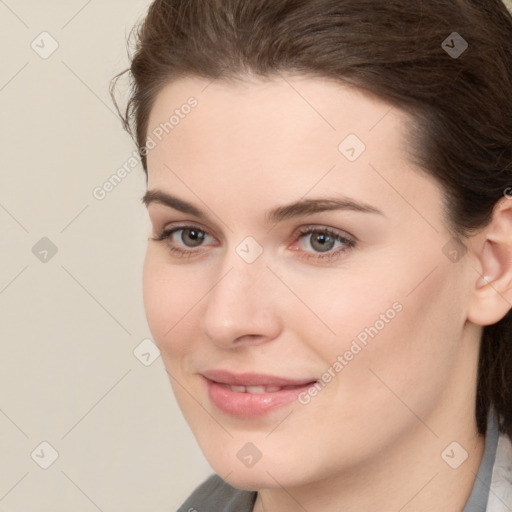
[(258, 389), (251, 395)]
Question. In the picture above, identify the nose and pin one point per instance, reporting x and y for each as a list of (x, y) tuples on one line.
[(242, 307)]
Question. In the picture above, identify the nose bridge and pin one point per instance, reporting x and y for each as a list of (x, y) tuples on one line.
[(242, 300), (243, 267)]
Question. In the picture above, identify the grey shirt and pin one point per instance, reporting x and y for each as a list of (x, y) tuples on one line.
[(215, 495)]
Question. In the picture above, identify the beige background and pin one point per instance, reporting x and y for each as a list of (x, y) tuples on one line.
[(70, 324)]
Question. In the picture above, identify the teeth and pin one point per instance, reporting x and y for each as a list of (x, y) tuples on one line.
[(257, 390)]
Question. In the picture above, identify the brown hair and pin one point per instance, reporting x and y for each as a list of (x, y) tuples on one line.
[(461, 105)]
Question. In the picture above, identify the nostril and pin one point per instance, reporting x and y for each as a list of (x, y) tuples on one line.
[(247, 337)]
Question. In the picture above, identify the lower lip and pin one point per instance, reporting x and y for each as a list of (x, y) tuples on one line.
[(250, 405)]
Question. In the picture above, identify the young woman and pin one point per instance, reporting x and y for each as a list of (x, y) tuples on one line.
[(329, 275)]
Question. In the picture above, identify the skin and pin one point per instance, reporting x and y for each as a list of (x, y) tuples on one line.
[(372, 439)]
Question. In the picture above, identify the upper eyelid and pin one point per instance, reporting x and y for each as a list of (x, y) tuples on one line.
[(348, 241), (301, 231)]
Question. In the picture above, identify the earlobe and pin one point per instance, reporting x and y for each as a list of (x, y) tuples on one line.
[(491, 295)]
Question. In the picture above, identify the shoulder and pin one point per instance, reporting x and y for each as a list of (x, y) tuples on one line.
[(215, 495), (500, 495)]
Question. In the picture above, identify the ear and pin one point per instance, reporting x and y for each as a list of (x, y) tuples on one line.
[(491, 290)]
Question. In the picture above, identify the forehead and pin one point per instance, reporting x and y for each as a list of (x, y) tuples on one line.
[(284, 104), (307, 133), (287, 119)]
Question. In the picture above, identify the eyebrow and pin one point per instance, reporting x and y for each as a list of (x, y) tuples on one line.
[(298, 208)]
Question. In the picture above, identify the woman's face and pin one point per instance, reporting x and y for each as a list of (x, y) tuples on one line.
[(369, 303)]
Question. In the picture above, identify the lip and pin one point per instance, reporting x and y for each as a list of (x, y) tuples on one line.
[(251, 405), (252, 379)]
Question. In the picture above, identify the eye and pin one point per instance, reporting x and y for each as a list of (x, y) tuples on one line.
[(191, 236), (322, 239)]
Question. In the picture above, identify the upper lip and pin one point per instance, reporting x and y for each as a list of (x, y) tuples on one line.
[(252, 379)]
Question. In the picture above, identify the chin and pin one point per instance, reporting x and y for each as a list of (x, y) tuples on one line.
[(267, 473), (249, 480)]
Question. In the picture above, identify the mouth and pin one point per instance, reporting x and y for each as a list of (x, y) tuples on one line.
[(250, 395), (256, 380), (258, 390)]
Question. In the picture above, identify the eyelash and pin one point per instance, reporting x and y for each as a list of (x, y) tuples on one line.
[(349, 242)]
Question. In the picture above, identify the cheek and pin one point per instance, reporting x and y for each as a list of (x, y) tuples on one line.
[(397, 332), (408, 363), (355, 302), (400, 372), (169, 298)]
